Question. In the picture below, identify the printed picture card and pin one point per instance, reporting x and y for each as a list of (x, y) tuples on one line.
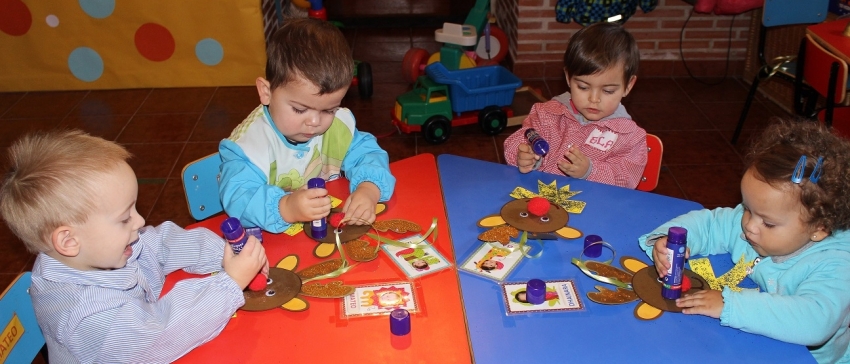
[(494, 260), (416, 262), (379, 299), (561, 296)]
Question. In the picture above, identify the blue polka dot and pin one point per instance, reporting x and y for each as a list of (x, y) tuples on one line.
[(209, 51), (85, 64), (98, 9)]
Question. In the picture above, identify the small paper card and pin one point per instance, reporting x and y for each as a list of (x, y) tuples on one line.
[(416, 262), (494, 260), (379, 299), (561, 296)]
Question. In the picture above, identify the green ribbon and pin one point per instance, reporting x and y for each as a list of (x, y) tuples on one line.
[(613, 281), (345, 267), (523, 239)]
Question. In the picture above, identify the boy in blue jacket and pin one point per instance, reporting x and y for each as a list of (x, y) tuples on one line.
[(792, 227), (301, 132)]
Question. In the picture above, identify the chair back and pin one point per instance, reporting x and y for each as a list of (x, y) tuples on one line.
[(786, 12), (654, 152), (200, 182), (818, 71), (22, 337)]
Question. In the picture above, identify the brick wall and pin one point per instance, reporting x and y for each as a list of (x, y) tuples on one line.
[(538, 41)]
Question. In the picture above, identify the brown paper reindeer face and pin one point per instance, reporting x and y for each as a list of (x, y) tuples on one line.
[(515, 216)]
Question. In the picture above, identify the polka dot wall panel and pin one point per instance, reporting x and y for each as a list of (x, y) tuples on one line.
[(108, 44)]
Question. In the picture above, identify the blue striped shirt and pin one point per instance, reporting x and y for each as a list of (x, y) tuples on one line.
[(117, 316)]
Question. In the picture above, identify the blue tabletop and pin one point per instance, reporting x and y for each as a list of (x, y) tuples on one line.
[(473, 189)]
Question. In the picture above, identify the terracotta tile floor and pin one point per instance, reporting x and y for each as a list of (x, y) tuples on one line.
[(167, 128)]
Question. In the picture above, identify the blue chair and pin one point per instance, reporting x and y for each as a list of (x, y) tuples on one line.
[(200, 182), (775, 13), (22, 337)]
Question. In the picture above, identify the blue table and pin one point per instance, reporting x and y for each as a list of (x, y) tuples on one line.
[(473, 189)]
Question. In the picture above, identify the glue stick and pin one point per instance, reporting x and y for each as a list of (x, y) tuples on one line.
[(318, 228), (671, 287)]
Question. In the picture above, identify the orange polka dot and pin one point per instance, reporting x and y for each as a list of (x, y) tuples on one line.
[(154, 42), (15, 17)]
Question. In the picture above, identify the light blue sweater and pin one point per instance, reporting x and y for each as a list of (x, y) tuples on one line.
[(803, 298), (259, 166)]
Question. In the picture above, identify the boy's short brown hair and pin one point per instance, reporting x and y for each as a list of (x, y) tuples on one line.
[(600, 46), (313, 49), (52, 180)]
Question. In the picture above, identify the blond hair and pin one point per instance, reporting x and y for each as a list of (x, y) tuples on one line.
[(52, 180)]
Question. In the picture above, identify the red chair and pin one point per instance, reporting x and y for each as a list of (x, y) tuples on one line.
[(654, 152), (826, 74)]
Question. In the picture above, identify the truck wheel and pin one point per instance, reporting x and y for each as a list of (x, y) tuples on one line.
[(413, 64), (364, 76), (437, 130), (492, 120)]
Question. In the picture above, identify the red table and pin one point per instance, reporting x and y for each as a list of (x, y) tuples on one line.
[(319, 335)]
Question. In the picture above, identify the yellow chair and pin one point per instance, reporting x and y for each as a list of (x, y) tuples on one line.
[(22, 337)]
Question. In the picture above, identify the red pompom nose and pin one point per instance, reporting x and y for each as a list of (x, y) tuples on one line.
[(336, 219), (259, 283), (538, 206), (686, 284)]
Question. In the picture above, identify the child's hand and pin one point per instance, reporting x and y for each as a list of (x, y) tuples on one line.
[(575, 163), (705, 302), (659, 256), (525, 158), (305, 204), (359, 208), (244, 266)]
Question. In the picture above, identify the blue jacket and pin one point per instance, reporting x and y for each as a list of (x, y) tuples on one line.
[(259, 166), (803, 298)]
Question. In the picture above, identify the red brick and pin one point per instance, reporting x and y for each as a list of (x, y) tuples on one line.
[(685, 45), (531, 3), (702, 34), (529, 47), (531, 25)]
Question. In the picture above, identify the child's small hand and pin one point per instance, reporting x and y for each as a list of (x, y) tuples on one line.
[(305, 204), (705, 302), (525, 158), (244, 266), (659, 256), (359, 208), (575, 163)]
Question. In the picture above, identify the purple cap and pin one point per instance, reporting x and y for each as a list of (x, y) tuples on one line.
[(400, 322), (592, 251), (535, 291), (316, 182), (232, 228), (677, 235)]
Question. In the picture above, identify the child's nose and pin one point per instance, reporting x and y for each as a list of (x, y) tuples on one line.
[(594, 96), (313, 120)]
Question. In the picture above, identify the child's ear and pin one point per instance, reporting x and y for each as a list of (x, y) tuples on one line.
[(64, 242), (629, 86), (819, 234), (567, 77), (264, 90)]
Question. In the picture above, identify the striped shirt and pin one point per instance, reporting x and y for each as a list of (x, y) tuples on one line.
[(117, 316), (615, 145)]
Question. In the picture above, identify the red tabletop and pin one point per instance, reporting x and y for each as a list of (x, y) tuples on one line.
[(830, 34), (319, 335)]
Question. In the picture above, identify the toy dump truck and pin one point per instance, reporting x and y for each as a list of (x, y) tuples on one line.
[(441, 99)]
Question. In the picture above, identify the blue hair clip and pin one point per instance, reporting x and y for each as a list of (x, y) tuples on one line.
[(817, 171), (797, 177)]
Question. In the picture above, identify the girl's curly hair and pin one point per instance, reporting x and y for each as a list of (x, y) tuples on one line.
[(775, 155)]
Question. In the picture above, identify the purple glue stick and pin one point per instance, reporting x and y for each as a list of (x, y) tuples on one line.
[(538, 145), (671, 287), (234, 233), (318, 228)]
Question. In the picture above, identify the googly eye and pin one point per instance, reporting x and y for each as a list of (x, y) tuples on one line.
[(270, 293), (523, 214), (269, 281), (544, 218)]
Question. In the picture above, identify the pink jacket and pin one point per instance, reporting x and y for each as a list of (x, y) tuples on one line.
[(615, 145)]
